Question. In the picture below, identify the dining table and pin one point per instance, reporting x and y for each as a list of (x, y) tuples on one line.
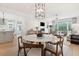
[(44, 39)]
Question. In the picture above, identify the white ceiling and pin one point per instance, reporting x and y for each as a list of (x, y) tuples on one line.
[(62, 9), (19, 7)]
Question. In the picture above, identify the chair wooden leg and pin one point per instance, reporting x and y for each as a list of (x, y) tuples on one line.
[(42, 52), (19, 51), (25, 52), (57, 50), (62, 51)]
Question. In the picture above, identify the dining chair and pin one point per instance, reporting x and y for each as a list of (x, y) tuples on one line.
[(20, 44), (55, 48)]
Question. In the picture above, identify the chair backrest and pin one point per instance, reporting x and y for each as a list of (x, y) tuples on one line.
[(60, 37), (61, 40), (19, 40)]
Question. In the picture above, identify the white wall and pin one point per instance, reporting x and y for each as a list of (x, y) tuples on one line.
[(25, 13), (62, 9)]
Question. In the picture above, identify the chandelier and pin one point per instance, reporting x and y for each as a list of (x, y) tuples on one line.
[(39, 10)]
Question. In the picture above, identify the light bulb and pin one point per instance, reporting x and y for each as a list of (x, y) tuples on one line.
[(39, 10)]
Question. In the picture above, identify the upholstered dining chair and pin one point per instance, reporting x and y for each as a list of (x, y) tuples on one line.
[(20, 44), (55, 48)]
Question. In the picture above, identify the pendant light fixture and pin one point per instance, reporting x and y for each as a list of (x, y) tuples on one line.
[(39, 10), (3, 19)]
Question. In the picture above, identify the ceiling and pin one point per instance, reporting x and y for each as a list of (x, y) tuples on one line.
[(63, 9), (19, 7)]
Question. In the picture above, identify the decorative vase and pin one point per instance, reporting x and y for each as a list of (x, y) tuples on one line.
[(39, 34)]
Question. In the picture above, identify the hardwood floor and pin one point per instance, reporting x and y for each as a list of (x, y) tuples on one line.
[(11, 48)]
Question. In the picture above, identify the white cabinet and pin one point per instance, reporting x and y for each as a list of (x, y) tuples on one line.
[(1, 21), (6, 36)]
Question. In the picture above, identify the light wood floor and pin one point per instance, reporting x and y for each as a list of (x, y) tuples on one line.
[(10, 49)]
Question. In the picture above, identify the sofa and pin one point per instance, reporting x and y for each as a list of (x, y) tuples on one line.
[(74, 39)]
